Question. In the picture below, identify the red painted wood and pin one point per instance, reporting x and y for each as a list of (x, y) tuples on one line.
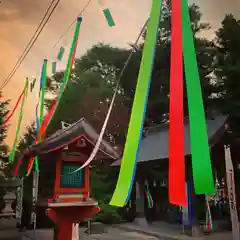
[(68, 158), (65, 217)]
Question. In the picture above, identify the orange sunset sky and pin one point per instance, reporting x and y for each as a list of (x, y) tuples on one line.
[(19, 19)]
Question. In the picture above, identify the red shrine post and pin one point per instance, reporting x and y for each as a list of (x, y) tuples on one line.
[(70, 203), (65, 197)]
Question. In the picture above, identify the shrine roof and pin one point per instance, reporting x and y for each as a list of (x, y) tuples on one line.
[(68, 135), (155, 142)]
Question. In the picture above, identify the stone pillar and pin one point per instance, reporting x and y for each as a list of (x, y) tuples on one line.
[(140, 206)]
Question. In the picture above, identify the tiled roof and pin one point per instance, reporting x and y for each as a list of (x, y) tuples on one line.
[(155, 144)]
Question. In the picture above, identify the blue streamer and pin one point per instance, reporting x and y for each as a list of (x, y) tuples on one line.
[(41, 79), (37, 120)]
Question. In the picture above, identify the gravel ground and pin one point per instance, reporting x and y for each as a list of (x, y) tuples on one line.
[(8, 231)]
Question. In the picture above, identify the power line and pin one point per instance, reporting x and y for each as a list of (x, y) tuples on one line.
[(29, 46), (48, 9), (60, 38), (79, 14)]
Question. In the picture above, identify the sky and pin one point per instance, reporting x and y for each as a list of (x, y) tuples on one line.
[(20, 18)]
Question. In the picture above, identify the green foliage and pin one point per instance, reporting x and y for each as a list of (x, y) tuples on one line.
[(90, 88), (227, 69), (158, 103), (27, 138), (103, 182), (2, 194), (4, 150), (4, 165), (95, 75)]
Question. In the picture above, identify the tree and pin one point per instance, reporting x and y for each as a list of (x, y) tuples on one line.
[(27, 138), (100, 68), (158, 104), (228, 74), (227, 69), (102, 188), (4, 165), (91, 88), (94, 78)]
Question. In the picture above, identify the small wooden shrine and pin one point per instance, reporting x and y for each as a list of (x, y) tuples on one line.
[(64, 195)]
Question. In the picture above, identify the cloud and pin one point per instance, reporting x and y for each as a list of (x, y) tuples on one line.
[(22, 11)]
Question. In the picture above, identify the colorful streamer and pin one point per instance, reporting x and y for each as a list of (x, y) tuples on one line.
[(12, 154), (32, 84), (39, 96), (43, 86), (44, 81), (40, 133), (54, 67), (128, 165), (209, 223), (13, 111), (148, 195), (109, 17), (201, 163), (98, 143), (60, 53), (177, 186), (71, 58), (37, 120)]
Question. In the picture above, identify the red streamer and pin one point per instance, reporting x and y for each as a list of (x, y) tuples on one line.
[(73, 56), (42, 130), (12, 112), (40, 133), (177, 190)]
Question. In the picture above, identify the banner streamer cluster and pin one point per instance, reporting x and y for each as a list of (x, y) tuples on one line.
[(148, 195), (209, 223), (107, 14), (100, 138), (32, 84), (127, 171), (182, 51), (13, 152), (176, 187), (182, 42), (201, 162), (50, 114), (59, 58), (41, 96), (9, 116)]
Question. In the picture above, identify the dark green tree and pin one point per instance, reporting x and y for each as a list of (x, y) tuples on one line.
[(94, 79), (227, 69), (27, 138), (227, 80), (101, 66), (4, 150), (102, 187)]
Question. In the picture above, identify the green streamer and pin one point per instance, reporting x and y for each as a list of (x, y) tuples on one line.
[(64, 82), (201, 163), (43, 85), (32, 84), (60, 53), (127, 171), (54, 67), (44, 81), (109, 17), (13, 152), (68, 68)]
